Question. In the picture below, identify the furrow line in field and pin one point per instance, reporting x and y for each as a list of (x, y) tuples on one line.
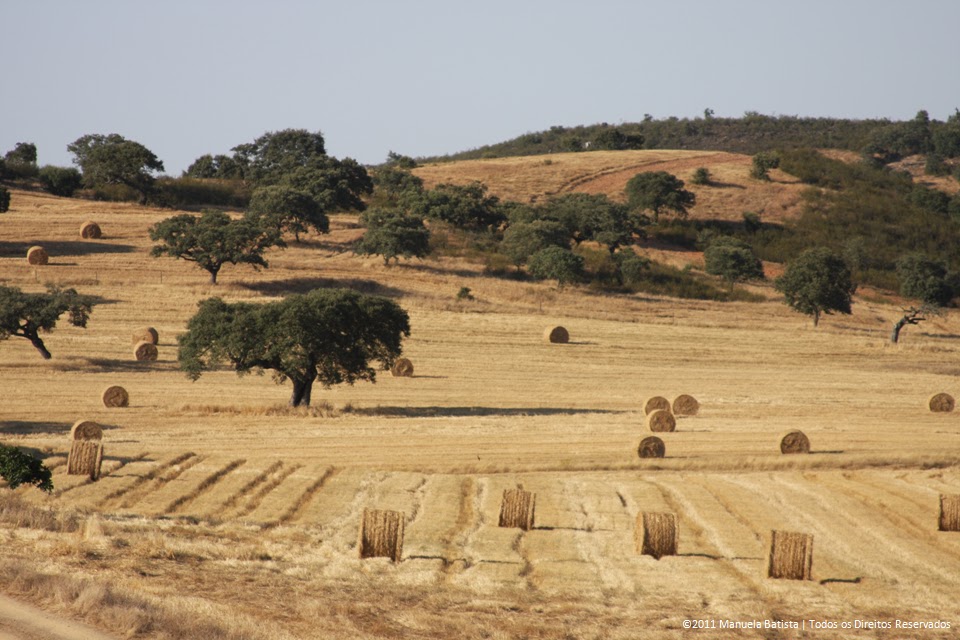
[(173, 472), (144, 479), (112, 467), (297, 508), (203, 487), (257, 496), (259, 479), (466, 524)]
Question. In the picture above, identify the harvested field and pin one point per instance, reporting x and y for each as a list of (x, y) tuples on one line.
[(218, 504)]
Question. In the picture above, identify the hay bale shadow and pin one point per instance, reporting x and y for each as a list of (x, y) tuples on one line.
[(29, 427), (63, 248)]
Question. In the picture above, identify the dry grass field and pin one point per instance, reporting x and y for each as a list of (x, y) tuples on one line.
[(221, 513)]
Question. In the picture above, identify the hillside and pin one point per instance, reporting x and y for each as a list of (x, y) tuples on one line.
[(224, 514)]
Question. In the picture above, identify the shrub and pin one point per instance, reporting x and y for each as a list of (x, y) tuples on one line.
[(393, 234), (4, 200), (522, 240), (701, 176), (556, 263), (751, 222), (186, 192), (762, 163), (17, 467), (60, 181), (733, 260), (924, 279)]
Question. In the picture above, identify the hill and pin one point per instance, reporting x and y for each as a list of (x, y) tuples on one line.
[(224, 514)]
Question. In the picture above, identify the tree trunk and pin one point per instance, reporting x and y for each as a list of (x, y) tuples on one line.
[(895, 334), (816, 319), (38, 343), (301, 393), (213, 275)]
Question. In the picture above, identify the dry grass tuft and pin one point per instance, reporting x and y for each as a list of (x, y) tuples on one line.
[(949, 512), (402, 368), (90, 230), (791, 555), (146, 334), (556, 335), (656, 534), (685, 405), (795, 442), (19, 513), (381, 534), (115, 396), (656, 403), (661, 420), (145, 351), (517, 509), (941, 403), (651, 447), (37, 256)]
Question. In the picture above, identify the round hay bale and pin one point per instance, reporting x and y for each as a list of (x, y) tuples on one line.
[(660, 421), (402, 368), (795, 442), (37, 256), (86, 430), (942, 403), (90, 230), (115, 396), (651, 447), (144, 350), (656, 403), (685, 405), (556, 335), (146, 334)]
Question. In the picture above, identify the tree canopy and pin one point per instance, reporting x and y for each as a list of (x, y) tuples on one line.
[(556, 263), (465, 206), (112, 159), (657, 191), (393, 234), (818, 281), (288, 209), (327, 335), (26, 315), (924, 279), (213, 239), (277, 153), (733, 260)]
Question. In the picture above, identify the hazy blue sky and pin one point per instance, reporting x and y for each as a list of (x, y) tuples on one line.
[(191, 77)]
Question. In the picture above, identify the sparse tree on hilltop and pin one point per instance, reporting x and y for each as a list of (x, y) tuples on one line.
[(328, 336), (27, 315), (817, 282)]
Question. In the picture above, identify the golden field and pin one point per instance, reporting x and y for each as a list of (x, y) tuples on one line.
[(224, 514)]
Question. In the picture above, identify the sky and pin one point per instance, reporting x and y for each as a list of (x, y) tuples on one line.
[(431, 77)]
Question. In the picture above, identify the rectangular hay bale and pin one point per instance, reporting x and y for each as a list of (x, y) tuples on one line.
[(656, 534), (949, 512), (517, 509), (85, 458), (381, 534), (791, 555)]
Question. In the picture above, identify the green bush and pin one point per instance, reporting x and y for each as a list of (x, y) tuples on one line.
[(701, 176), (17, 467), (762, 163), (60, 181), (4, 200), (556, 263)]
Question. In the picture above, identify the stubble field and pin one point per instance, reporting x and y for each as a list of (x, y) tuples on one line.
[(222, 509)]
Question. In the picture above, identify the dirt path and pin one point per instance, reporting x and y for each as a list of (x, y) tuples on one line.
[(19, 621)]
